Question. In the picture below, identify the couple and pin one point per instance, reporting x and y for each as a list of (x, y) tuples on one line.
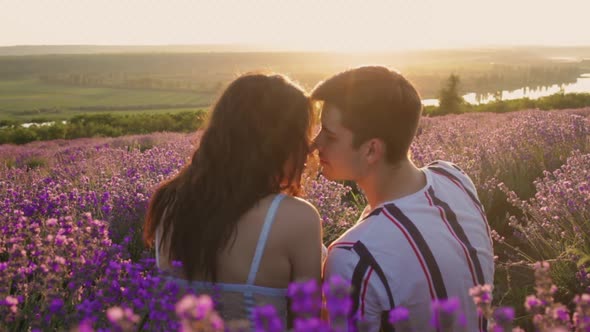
[(233, 218)]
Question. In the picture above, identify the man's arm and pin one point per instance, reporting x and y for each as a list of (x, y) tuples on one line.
[(343, 261)]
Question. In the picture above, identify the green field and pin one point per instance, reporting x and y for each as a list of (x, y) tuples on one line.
[(59, 86), (26, 99)]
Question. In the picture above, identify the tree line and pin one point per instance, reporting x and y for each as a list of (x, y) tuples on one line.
[(452, 102), (485, 80), (102, 125), (129, 81)]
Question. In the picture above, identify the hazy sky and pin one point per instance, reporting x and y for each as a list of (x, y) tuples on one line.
[(309, 24)]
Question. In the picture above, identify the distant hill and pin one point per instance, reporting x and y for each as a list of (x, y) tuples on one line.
[(102, 49), (564, 53), (58, 81)]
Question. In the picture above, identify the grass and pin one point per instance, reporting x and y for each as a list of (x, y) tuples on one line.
[(28, 98)]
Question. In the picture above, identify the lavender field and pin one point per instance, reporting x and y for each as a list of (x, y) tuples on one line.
[(71, 214)]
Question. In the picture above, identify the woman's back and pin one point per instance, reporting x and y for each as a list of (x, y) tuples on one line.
[(276, 242), (274, 269)]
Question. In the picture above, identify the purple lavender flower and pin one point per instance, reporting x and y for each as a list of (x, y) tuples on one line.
[(305, 298), (482, 297), (532, 303), (266, 319), (311, 325), (399, 314), (337, 292), (56, 306), (446, 313), (503, 318), (561, 314)]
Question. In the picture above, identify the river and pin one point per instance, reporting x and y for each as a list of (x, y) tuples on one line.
[(582, 85)]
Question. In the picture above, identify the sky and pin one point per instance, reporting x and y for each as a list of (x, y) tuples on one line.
[(325, 25)]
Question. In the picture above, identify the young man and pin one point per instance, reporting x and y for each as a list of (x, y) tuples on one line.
[(423, 235)]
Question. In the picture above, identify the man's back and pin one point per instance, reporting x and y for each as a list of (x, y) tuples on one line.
[(432, 244)]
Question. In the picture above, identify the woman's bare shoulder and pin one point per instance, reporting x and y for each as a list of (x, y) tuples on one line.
[(296, 218), (299, 228), (298, 209)]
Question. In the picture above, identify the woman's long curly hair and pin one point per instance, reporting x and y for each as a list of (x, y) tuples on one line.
[(256, 144)]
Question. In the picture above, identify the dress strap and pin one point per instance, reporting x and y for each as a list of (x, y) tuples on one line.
[(270, 216)]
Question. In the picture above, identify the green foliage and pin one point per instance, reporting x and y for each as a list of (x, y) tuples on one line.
[(21, 135), (450, 98), (34, 162), (561, 100), (104, 125), (552, 102)]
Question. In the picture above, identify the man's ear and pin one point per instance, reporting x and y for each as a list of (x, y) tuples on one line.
[(374, 150)]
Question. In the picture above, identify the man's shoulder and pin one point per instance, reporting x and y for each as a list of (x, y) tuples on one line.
[(350, 248), (446, 165), (452, 172), (363, 230), (352, 235), (364, 236)]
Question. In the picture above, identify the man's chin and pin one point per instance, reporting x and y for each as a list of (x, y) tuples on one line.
[(327, 176), (326, 173), (334, 177)]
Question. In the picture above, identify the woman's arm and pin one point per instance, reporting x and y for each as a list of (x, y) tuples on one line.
[(304, 245), (305, 242)]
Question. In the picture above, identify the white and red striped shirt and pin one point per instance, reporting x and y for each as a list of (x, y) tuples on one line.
[(433, 244)]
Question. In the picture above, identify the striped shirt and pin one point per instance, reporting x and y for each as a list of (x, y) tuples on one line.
[(433, 244)]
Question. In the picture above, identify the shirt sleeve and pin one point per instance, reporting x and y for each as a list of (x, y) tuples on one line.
[(455, 170), (344, 262), (340, 262)]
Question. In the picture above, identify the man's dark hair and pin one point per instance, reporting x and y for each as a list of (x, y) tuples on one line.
[(375, 102)]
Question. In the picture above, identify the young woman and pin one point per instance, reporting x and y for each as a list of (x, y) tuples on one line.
[(231, 216)]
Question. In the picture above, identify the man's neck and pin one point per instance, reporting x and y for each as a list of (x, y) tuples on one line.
[(389, 182)]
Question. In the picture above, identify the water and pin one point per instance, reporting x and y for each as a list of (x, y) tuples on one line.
[(582, 85), (28, 124)]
